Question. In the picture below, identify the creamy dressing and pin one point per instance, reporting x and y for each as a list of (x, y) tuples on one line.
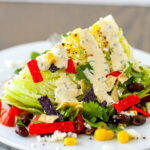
[(97, 61), (43, 62), (61, 58), (110, 29), (66, 90)]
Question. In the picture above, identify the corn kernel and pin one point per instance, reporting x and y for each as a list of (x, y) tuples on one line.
[(51, 58), (70, 141), (103, 134), (123, 136), (100, 134), (109, 135)]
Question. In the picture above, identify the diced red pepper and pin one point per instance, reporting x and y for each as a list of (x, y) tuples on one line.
[(71, 67), (17, 111), (8, 118), (126, 103), (0, 106), (45, 128), (78, 124), (115, 74), (35, 71), (141, 111)]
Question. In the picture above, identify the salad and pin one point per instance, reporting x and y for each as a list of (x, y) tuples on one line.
[(89, 83)]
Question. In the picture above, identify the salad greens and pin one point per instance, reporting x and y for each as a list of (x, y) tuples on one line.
[(80, 72), (93, 113), (34, 55), (68, 113)]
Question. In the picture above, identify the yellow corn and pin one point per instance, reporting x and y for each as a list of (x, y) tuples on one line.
[(70, 141), (123, 136), (109, 135), (103, 134), (100, 134), (51, 58)]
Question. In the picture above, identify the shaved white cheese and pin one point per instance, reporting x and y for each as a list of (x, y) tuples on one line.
[(66, 90), (110, 29), (48, 118), (61, 58), (97, 61)]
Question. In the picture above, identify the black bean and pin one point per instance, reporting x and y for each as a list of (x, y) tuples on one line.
[(138, 120), (21, 130), (146, 99), (26, 118), (135, 87), (121, 118)]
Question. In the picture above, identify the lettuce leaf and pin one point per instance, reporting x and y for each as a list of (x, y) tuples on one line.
[(125, 44)]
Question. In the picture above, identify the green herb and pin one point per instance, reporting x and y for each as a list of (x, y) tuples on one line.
[(65, 35), (36, 121), (114, 128), (81, 51), (80, 72), (68, 113), (19, 122), (92, 123), (17, 70), (108, 56), (93, 113), (45, 52), (128, 71), (34, 55)]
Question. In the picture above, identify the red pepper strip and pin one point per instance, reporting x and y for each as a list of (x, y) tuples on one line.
[(115, 74), (141, 111), (126, 103), (35, 71), (8, 118), (0, 106), (45, 128), (71, 67), (17, 111)]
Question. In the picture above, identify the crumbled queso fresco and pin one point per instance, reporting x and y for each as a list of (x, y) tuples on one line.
[(57, 136)]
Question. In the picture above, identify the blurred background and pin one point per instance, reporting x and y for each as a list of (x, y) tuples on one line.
[(23, 21)]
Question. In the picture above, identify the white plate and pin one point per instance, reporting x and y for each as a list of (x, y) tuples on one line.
[(8, 136)]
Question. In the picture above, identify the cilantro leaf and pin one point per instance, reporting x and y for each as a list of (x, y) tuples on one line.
[(17, 70), (93, 113), (80, 72), (92, 123), (34, 55)]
